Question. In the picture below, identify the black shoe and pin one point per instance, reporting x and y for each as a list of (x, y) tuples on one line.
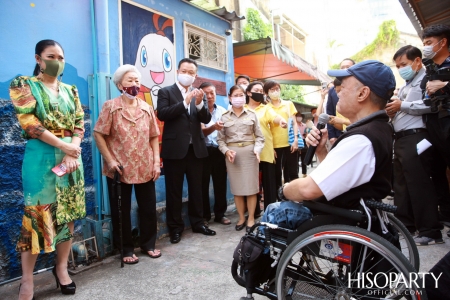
[(175, 237), (204, 230), (67, 289), (240, 226)]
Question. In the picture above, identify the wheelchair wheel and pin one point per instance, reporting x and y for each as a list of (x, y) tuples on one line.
[(407, 244), (238, 273), (344, 262)]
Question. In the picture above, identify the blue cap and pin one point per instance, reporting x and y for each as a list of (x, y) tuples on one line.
[(372, 73)]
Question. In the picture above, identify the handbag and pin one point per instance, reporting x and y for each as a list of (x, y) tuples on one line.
[(291, 134), (254, 260), (248, 251)]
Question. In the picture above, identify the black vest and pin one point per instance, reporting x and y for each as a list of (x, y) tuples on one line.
[(377, 129)]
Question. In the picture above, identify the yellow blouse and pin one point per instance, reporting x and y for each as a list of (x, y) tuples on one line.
[(280, 135)]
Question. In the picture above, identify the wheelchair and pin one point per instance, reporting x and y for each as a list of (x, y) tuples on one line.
[(337, 254)]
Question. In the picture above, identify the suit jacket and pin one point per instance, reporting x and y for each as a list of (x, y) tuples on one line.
[(179, 126), (331, 110)]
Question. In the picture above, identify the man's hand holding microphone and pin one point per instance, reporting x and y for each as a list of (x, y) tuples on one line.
[(316, 140)]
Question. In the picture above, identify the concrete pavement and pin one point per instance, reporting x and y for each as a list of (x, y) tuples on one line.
[(196, 268)]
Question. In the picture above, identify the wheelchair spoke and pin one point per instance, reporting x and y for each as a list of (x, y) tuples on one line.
[(328, 265)]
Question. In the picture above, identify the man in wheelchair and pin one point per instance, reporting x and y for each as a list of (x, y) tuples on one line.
[(332, 261), (359, 164)]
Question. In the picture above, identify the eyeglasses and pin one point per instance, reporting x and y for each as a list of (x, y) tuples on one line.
[(258, 91), (275, 89)]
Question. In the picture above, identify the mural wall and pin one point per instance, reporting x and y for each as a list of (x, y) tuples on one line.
[(148, 34), (21, 27)]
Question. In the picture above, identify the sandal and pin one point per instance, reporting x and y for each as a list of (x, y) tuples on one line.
[(224, 221), (148, 254), (134, 260)]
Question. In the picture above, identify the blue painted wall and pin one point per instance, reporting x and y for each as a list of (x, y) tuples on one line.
[(22, 25)]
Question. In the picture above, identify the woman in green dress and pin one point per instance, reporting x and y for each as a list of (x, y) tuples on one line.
[(51, 118)]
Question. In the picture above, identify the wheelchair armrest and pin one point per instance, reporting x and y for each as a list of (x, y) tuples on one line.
[(333, 210)]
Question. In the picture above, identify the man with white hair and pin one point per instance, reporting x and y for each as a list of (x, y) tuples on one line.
[(362, 155)]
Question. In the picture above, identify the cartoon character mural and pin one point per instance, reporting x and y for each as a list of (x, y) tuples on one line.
[(148, 43), (154, 59)]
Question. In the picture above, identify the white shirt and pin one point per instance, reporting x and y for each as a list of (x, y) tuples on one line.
[(184, 93), (211, 139), (348, 165)]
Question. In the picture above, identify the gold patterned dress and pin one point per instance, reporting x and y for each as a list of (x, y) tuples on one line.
[(50, 201)]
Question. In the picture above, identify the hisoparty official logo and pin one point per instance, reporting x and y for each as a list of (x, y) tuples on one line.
[(384, 283)]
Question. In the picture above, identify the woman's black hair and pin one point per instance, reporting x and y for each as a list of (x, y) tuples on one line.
[(233, 88), (270, 84), (40, 47), (249, 88)]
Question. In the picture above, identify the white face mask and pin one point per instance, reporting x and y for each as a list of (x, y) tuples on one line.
[(428, 51), (185, 79), (244, 86), (274, 95)]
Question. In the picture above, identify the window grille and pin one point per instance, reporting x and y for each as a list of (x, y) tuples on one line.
[(206, 48)]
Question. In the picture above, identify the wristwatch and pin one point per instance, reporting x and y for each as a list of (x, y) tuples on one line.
[(281, 196)]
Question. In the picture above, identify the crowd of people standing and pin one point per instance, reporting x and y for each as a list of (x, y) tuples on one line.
[(202, 140)]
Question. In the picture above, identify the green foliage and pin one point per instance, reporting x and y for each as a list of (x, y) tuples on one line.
[(292, 92), (255, 28), (387, 37)]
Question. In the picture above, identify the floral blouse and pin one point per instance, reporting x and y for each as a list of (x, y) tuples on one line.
[(38, 109), (128, 139)]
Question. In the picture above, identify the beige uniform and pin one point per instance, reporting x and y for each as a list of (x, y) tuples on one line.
[(243, 135)]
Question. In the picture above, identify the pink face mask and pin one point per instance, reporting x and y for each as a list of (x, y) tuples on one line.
[(238, 102)]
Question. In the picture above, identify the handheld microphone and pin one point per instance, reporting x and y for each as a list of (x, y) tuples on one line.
[(323, 120)]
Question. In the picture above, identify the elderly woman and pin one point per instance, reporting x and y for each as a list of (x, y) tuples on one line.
[(51, 117), (241, 140), (268, 120), (126, 134)]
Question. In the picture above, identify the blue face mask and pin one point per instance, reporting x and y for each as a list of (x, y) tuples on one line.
[(407, 73)]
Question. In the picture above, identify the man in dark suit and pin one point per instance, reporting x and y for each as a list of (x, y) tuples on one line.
[(183, 109)]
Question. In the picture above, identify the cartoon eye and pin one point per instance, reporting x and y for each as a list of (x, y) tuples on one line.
[(143, 56), (167, 61)]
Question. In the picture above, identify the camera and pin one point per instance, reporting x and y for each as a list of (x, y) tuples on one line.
[(439, 101), (228, 32)]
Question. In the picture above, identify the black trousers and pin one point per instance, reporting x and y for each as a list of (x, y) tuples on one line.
[(286, 164), (174, 171), (146, 200), (439, 131), (268, 182), (214, 166), (302, 154), (415, 195), (441, 288)]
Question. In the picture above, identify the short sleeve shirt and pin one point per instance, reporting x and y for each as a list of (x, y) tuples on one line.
[(348, 165), (240, 129), (266, 115), (286, 109), (128, 139)]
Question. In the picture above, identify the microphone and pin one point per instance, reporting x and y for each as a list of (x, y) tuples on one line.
[(323, 120)]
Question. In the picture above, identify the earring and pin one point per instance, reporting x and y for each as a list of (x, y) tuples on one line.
[(42, 70)]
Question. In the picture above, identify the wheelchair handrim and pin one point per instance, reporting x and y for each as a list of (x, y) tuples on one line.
[(399, 263)]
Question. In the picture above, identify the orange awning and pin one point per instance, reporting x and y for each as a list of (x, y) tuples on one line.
[(268, 59)]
